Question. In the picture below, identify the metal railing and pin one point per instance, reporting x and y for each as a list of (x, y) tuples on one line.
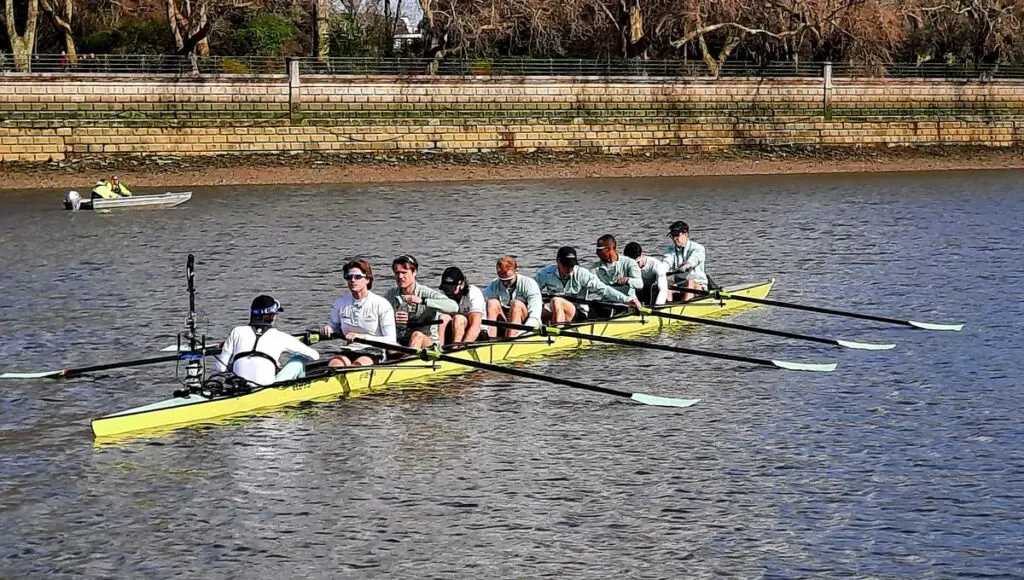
[(92, 64)]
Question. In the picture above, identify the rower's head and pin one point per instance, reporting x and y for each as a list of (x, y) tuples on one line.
[(566, 260), (454, 284), (405, 268), (358, 275), (607, 248), (679, 231), (264, 309), (507, 269), (633, 250)]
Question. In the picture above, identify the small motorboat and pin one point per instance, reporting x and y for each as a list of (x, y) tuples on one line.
[(74, 202)]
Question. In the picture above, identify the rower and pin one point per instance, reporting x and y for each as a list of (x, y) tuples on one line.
[(687, 258), (512, 297), (253, 351), (565, 277), (360, 314), (416, 306), (653, 271), (464, 325), (619, 272)]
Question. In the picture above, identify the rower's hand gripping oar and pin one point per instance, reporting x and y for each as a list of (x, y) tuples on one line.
[(770, 331), (555, 331), (723, 295), (309, 337), (433, 354)]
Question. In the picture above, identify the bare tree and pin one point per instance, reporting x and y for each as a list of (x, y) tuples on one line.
[(60, 13)]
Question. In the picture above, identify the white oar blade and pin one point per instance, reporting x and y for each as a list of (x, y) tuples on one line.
[(795, 366), (174, 348), (662, 401), (41, 375), (933, 326), (865, 345)]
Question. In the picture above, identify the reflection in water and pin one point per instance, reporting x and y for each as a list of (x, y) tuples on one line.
[(903, 464)]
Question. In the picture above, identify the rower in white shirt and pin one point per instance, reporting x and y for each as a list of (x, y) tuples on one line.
[(464, 325), (653, 271), (361, 313), (253, 351)]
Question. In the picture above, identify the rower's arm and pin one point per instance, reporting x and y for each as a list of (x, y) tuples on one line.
[(662, 269), (636, 277), (295, 346), (604, 291), (386, 323), (220, 362), (335, 321), (697, 257), (439, 301), (534, 302)]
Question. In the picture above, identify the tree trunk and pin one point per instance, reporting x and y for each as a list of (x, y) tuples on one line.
[(22, 44), (322, 38), (63, 23)]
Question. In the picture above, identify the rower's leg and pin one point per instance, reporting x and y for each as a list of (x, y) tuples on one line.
[(363, 361), (517, 315), (295, 368), (419, 340), (562, 310), (442, 328), (493, 313), (459, 324), (340, 361), (687, 296)]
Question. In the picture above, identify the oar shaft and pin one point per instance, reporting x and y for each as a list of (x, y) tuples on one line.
[(134, 363), (639, 344), (734, 326), (821, 310), (428, 355)]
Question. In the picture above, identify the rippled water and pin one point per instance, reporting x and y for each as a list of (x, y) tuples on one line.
[(904, 463)]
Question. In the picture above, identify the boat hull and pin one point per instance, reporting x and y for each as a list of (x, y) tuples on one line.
[(163, 200), (184, 411)]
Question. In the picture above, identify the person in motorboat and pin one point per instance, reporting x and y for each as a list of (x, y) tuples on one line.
[(112, 189), (653, 271), (416, 306), (466, 324), (512, 297), (687, 258), (360, 314), (253, 351), (566, 278)]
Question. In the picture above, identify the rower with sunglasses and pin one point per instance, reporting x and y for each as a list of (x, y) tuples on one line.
[(566, 278), (361, 313), (687, 258), (416, 306), (512, 298)]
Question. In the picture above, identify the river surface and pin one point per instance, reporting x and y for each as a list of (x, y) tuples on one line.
[(906, 463)]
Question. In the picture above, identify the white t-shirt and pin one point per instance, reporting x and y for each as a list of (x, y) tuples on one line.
[(256, 368), (473, 301), (372, 316)]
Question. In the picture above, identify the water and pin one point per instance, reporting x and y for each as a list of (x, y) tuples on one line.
[(903, 463)]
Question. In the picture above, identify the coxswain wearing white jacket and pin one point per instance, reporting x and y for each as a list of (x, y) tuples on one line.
[(653, 271), (253, 352), (361, 314)]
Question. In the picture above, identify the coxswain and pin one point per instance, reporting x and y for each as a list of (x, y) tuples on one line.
[(464, 325), (686, 258), (253, 351), (653, 271), (566, 278), (416, 306), (360, 314), (512, 297)]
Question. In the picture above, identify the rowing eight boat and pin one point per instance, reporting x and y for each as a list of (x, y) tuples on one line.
[(333, 383)]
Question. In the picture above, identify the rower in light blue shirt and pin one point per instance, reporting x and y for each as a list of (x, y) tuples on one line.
[(566, 278), (619, 272), (687, 258), (512, 297)]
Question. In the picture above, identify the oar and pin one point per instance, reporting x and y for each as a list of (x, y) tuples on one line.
[(309, 337), (782, 364), (431, 354), (723, 295), (67, 373), (711, 322)]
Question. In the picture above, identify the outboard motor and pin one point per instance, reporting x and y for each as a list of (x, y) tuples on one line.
[(72, 200)]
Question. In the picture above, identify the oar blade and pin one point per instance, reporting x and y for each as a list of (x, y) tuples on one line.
[(865, 345), (662, 401), (797, 366), (934, 326), (39, 375)]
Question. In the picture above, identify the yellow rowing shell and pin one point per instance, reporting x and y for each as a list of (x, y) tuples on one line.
[(195, 409)]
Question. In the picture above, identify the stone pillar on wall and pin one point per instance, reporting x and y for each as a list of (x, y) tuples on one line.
[(827, 89), (294, 92)]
